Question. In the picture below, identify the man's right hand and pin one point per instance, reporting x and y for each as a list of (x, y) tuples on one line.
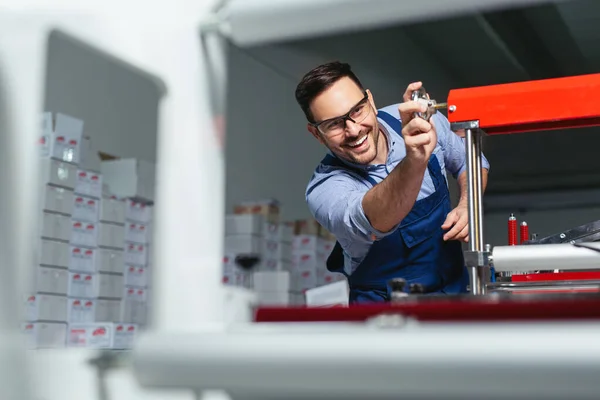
[(420, 137)]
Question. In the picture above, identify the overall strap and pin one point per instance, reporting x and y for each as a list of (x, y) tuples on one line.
[(333, 161), (394, 123)]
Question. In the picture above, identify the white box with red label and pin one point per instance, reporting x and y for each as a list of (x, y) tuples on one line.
[(46, 307), (81, 310), (136, 254), (110, 260), (111, 285), (102, 335), (136, 276), (112, 209), (50, 280), (55, 226), (134, 305), (111, 235), (85, 208), (137, 232), (58, 173), (54, 254), (83, 285), (45, 335), (138, 212), (88, 183), (82, 259), (84, 233), (57, 199), (61, 137)]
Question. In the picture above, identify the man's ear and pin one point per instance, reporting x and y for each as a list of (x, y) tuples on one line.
[(371, 100), (315, 132)]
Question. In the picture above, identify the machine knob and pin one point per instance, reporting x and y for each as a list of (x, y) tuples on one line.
[(416, 288), (398, 289)]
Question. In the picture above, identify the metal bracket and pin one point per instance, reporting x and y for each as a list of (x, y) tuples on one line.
[(478, 258), (457, 126)]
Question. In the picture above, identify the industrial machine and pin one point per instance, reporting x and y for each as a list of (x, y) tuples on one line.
[(489, 344)]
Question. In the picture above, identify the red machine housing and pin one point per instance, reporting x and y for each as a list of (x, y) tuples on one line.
[(570, 102)]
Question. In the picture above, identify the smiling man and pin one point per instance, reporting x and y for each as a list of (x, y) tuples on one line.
[(382, 188)]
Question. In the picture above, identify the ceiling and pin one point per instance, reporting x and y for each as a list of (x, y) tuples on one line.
[(544, 41), (548, 40)]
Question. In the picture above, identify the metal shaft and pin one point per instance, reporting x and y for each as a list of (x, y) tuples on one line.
[(474, 200)]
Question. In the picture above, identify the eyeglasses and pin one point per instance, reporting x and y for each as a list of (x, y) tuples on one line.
[(337, 125)]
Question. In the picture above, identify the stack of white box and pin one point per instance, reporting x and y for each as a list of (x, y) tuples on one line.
[(254, 230), (46, 309), (311, 247), (78, 279)]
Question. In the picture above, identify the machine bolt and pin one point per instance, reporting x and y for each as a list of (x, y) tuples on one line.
[(452, 108)]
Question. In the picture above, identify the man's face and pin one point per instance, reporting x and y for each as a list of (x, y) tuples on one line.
[(354, 141)]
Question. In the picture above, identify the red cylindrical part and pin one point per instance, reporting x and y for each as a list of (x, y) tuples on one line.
[(524, 232), (512, 230)]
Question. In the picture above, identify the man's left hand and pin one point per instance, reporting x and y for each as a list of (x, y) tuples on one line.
[(458, 220)]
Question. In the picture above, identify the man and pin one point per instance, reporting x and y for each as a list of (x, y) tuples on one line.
[(382, 189)]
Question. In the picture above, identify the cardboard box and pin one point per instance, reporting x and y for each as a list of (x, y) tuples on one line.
[(81, 310), (110, 260), (269, 208), (61, 137), (54, 254), (332, 295), (55, 226), (111, 235), (129, 178), (85, 208), (57, 199), (84, 233), (43, 335), (102, 335), (82, 259), (110, 285), (307, 227), (46, 307), (138, 211), (108, 310), (273, 281), (58, 173), (50, 281), (83, 285), (112, 209), (88, 183)]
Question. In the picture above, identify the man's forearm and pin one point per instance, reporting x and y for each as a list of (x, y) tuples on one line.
[(463, 187), (386, 204)]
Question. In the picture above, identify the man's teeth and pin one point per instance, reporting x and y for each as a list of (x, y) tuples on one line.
[(358, 142)]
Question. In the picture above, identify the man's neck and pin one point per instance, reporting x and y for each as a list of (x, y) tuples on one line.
[(382, 149)]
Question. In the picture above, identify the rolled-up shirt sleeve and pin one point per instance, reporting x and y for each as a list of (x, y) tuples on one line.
[(454, 147), (336, 203)]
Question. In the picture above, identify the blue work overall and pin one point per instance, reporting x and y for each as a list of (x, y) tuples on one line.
[(415, 251)]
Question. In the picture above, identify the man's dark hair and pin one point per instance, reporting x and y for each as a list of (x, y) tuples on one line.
[(320, 79)]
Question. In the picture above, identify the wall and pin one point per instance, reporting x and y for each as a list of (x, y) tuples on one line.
[(269, 153), (118, 106)]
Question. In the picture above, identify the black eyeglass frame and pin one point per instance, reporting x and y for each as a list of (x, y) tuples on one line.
[(344, 117)]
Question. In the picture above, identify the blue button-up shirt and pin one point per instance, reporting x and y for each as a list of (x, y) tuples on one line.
[(334, 194)]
